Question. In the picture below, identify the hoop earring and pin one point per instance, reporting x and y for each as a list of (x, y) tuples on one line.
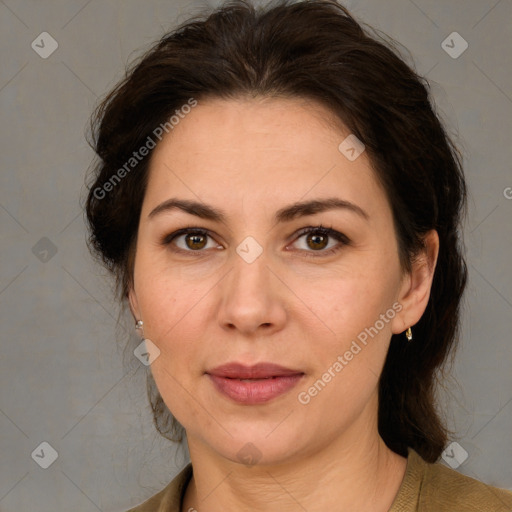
[(408, 333)]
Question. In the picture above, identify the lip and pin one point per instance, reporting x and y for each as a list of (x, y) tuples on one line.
[(256, 371), (268, 381)]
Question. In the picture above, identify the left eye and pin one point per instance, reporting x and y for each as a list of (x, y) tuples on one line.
[(316, 239)]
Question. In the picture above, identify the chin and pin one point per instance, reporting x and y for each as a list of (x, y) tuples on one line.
[(266, 445)]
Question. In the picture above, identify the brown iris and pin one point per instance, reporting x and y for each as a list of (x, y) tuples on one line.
[(195, 241), (318, 241)]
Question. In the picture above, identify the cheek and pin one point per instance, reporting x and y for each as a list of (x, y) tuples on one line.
[(357, 307), (170, 310), (172, 314), (351, 297), (166, 298)]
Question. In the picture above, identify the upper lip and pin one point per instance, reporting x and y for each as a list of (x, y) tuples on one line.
[(257, 371)]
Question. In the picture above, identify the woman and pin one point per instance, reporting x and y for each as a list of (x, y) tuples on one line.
[(281, 207)]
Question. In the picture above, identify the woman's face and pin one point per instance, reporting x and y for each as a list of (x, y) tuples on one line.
[(255, 288)]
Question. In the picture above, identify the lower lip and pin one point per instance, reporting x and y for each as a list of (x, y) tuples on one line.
[(255, 391)]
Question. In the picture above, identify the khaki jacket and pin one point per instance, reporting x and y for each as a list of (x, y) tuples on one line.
[(425, 488)]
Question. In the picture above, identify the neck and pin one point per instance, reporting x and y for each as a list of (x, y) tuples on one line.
[(364, 477)]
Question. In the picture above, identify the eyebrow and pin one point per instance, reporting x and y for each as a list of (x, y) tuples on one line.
[(286, 214)]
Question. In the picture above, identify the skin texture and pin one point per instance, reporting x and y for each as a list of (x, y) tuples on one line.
[(250, 157)]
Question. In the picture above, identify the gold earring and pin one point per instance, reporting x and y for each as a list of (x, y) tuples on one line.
[(408, 333)]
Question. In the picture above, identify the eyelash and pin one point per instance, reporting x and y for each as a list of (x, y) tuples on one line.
[(325, 231)]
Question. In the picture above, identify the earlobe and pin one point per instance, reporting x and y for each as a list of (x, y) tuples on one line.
[(415, 291)]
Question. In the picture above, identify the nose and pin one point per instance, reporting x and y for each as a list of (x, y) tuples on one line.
[(252, 298)]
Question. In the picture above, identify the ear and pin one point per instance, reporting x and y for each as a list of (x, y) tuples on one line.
[(134, 305), (416, 285)]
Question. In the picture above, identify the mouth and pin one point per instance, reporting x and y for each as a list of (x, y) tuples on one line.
[(256, 371), (255, 384)]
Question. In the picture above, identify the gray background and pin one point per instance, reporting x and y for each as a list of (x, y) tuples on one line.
[(63, 377)]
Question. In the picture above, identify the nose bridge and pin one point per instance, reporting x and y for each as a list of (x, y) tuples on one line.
[(250, 273), (250, 298)]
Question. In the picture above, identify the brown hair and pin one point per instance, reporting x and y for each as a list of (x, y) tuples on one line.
[(318, 51)]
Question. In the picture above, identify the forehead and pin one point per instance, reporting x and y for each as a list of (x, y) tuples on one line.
[(262, 150), (272, 124)]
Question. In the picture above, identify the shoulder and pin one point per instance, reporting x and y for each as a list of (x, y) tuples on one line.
[(446, 487), (438, 488), (168, 499)]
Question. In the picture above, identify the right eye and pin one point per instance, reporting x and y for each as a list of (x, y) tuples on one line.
[(189, 240)]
